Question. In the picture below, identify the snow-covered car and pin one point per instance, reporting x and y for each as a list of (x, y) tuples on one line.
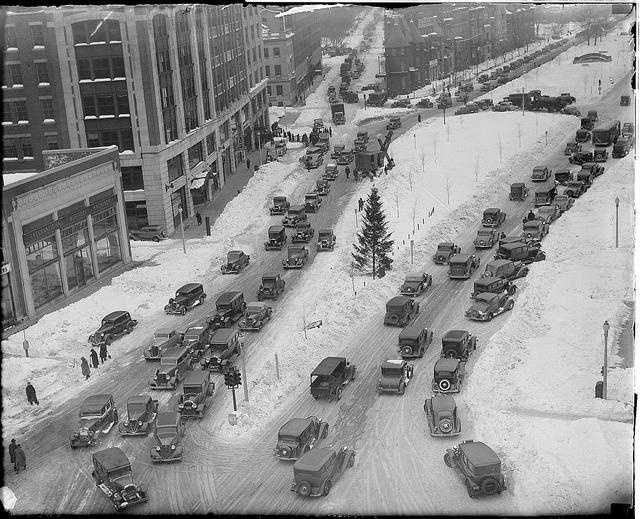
[(600, 155), (413, 341), (581, 157), (168, 436), (229, 308), (394, 123), (148, 232), (303, 233), (338, 149), (628, 130), (484, 104), (424, 103), (448, 374), (540, 174), (312, 202), (344, 159), (444, 252), (187, 297), (113, 476), (583, 135), (174, 364), (255, 316), (271, 287), (479, 466), (621, 147), (586, 176), (575, 188), (458, 344), (326, 240), (416, 283), (401, 103), (596, 169), (507, 269), (322, 187), (330, 376), (520, 251), (563, 202), (462, 266), (394, 376), (442, 416), (504, 106), (534, 230), (400, 311), (298, 436), (237, 260), (316, 471), (486, 306), (571, 110), (294, 215), (197, 390), (518, 191), (225, 345), (493, 217), (163, 339), (563, 175), (492, 285), (297, 256), (280, 205), (572, 147), (113, 326), (141, 415), (277, 238), (97, 416), (312, 161), (486, 238), (548, 213), (330, 172)]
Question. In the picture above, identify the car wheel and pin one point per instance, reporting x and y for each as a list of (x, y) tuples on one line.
[(447, 460), (401, 389), (183, 310), (510, 305), (108, 339), (156, 239), (444, 385), (406, 350), (449, 354), (326, 488), (489, 486), (472, 493), (338, 393), (304, 488), (511, 290)]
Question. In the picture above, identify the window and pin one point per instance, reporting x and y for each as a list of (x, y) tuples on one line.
[(278, 90), (110, 138), (10, 37), (27, 148), (268, 90), (267, 70), (20, 108), (37, 34), (132, 178), (113, 30), (51, 142), (175, 168), (122, 101), (266, 52), (101, 68), (126, 139), (276, 51), (98, 31), (117, 66), (89, 105), (10, 148), (195, 155), (225, 130), (106, 106), (253, 52), (211, 143), (84, 69), (277, 70), (46, 105), (42, 70), (80, 34), (42, 262), (15, 74), (93, 140), (105, 228)]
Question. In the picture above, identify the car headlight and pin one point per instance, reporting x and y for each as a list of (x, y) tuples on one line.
[(117, 496), (173, 447), (126, 424), (180, 406), (139, 422)]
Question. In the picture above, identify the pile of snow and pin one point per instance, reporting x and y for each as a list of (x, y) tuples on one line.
[(11, 178), (374, 112), (538, 406), (275, 112)]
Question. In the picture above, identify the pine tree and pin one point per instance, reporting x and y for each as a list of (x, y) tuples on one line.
[(374, 242)]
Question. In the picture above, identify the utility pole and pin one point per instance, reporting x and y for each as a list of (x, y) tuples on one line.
[(605, 366), (617, 206), (411, 244), (244, 373), (184, 247), (522, 101)]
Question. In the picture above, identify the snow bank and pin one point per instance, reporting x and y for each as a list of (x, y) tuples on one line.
[(369, 113), (538, 407)]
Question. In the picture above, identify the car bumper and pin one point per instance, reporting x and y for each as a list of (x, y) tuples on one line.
[(387, 389), (168, 385), (459, 276), (78, 443), (300, 239), (192, 413), (251, 327), (273, 247), (173, 310), (158, 457), (315, 491), (142, 430), (484, 245), (287, 265), (475, 317), (277, 212), (229, 270), (322, 247), (440, 261), (453, 389)]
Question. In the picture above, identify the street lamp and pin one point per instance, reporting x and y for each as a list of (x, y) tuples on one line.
[(605, 367), (184, 247)]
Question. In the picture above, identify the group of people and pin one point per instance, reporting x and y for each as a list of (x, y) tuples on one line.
[(93, 355), (17, 456)]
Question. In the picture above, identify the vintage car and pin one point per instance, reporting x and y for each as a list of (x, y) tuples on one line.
[(563, 175), (312, 202), (97, 415), (345, 158), (581, 157), (174, 364), (572, 147), (492, 285), (534, 229), (479, 466), (196, 340), (316, 471), (141, 415), (312, 161), (424, 103), (413, 341), (583, 135), (506, 269), (586, 123), (322, 187), (148, 232), (294, 215), (487, 305), (586, 176), (575, 189), (625, 100), (255, 316), (225, 345), (330, 172), (163, 338), (271, 287), (114, 325), (338, 149), (448, 374), (416, 283), (442, 416), (462, 266), (318, 124), (444, 252), (593, 115), (400, 103), (303, 233), (113, 476), (401, 310), (600, 155), (326, 240), (563, 202), (187, 297), (486, 238), (298, 436), (168, 436), (330, 377), (484, 104), (458, 344), (197, 390), (229, 308), (628, 130), (394, 376), (493, 217), (237, 260), (297, 256), (519, 251), (540, 174), (277, 238), (280, 205), (548, 213), (519, 191), (621, 147), (571, 110), (394, 123)]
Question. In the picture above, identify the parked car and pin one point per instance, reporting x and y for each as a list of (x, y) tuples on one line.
[(479, 466), (448, 374), (237, 260), (312, 202), (113, 476), (628, 130), (506, 269), (255, 316), (326, 240), (442, 416), (331, 172), (271, 287), (163, 339), (303, 233), (322, 187), (621, 147), (586, 123), (462, 266), (444, 252), (493, 285), (534, 230), (519, 251), (563, 175), (519, 191), (113, 326), (229, 309), (295, 214), (225, 345), (424, 103), (401, 103), (97, 416), (572, 147), (548, 213), (395, 374), (280, 205), (297, 256), (583, 135), (486, 238), (493, 217), (149, 233), (575, 189), (487, 305), (338, 150), (316, 471), (330, 376), (415, 284), (298, 436), (458, 344), (413, 341), (540, 174), (571, 110), (600, 155), (394, 123), (187, 296), (563, 202), (277, 238), (196, 340), (401, 310), (174, 364), (168, 438), (581, 157), (197, 390), (141, 415)]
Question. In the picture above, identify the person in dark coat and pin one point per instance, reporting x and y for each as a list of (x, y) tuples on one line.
[(330, 132), (31, 394), (94, 358), (103, 352), (531, 216), (248, 163), (12, 452), (360, 204), (199, 218), (419, 118), (347, 171), (21, 459), (84, 365)]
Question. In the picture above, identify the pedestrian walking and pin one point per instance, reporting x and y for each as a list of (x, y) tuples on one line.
[(94, 358), (248, 163), (330, 132), (84, 366), (419, 118), (103, 352), (355, 175), (31, 394), (297, 137), (21, 459), (360, 204), (199, 218), (347, 171), (12, 452)]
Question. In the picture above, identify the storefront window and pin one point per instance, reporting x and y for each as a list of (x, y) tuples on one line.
[(108, 250), (78, 267), (44, 270), (8, 310)]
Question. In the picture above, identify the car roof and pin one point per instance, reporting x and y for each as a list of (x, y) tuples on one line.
[(313, 194), (221, 335), (397, 301), (478, 454), (517, 184), (227, 297), (325, 231), (276, 228), (459, 258), (328, 365), (410, 332), (486, 281), (269, 277), (111, 458), (166, 418), (114, 315), (486, 297), (260, 304), (455, 335), (513, 245), (280, 197), (442, 402), (138, 399), (95, 402), (492, 210), (294, 427), (195, 378), (297, 207), (392, 363), (189, 287), (446, 364), (499, 262), (445, 244), (314, 459), (165, 330), (172, 353), (414, 276)]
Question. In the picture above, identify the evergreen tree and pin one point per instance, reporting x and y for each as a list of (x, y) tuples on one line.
[(374, 242)]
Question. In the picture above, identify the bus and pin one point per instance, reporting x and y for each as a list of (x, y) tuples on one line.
[(606, 135)]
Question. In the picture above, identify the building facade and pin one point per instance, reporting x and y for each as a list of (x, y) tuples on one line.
[(62, 230), (279, 68), (180, 89)]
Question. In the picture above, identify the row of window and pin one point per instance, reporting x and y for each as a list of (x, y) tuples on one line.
[(122, 138), (15, 111), (278, 90), (13, 73), (96, 31), (17, 147), (276, 52), (105, 104), (101, 68), (277, 70), (36, 32)]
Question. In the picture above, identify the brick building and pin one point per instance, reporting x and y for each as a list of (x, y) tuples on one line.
[(279, 67)]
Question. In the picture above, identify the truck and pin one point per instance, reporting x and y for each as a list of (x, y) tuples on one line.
[(377, 98), (337, 113)]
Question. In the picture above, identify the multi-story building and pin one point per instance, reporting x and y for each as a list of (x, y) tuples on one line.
[(278, 67), (180, 89)]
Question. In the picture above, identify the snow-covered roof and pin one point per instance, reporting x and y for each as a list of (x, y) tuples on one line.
[(10, 178), (307, 9)]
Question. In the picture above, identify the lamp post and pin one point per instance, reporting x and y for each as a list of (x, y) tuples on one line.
[(184, 247), (605, 368), (617, 206)]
